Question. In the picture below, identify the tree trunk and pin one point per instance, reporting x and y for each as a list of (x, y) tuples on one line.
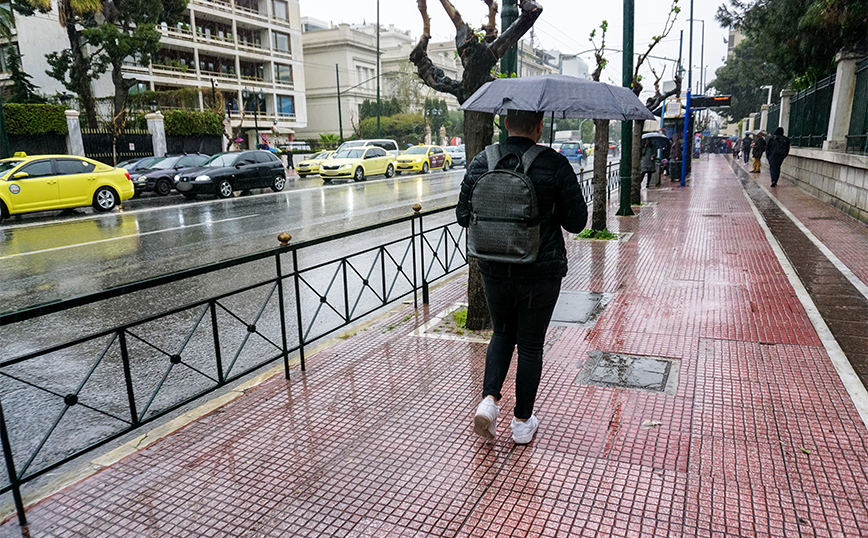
[(478, 130), (600, 181), (119, 109), (636, 182), (79, 72)]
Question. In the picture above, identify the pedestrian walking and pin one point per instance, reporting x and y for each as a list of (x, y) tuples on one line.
[(746, 143), (521, 297), (736, 148), (777, 150), (759, 147), (647, 163)]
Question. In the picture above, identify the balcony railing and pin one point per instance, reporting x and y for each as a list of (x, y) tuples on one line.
[(180, 33), (215, 4), (218, 74), (251, 12), (174, 71)]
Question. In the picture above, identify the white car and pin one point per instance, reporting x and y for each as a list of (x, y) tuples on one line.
[(459, 158), (389, 145)]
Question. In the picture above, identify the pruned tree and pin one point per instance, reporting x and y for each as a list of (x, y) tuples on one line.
[(599, 183), (636, 182), (479, 53)]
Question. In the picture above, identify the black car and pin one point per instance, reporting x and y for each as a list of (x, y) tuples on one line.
[(160, 175), (225, 173), (138, 164)]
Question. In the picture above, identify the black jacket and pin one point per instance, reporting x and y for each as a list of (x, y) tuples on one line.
[(778, 148), (560, 202), (759, 146)]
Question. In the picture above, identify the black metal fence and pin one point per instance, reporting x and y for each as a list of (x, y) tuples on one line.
[(38, 144), (207, 144), (130, 145), (857, 138), (59, 401), (809, 114), (774, 118)]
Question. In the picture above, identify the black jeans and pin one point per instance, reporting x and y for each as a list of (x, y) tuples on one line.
[(775, 170), (520, 314)]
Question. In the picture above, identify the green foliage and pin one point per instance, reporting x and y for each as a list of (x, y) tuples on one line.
[(742, 76), (21, 89), (603, 234), (403, 128), (328, 140), (460, 318), (34, 119), (368, 108), (186, 98), (193, 122)]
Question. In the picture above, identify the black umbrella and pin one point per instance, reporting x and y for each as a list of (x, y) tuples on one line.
[(658, 140)]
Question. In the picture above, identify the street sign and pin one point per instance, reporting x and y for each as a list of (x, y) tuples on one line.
[(706, 101)]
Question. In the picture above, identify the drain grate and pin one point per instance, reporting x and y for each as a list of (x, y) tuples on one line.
[(618, 370), (579, 308), (821, 218)]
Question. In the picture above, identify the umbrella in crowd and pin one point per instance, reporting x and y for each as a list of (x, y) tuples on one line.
[(658, 139)]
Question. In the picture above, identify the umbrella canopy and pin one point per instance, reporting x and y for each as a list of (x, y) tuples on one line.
[(654, 135), (559, 95), (757, 132)]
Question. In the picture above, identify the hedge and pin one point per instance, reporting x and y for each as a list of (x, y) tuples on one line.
[(35, 119), (193, 122)]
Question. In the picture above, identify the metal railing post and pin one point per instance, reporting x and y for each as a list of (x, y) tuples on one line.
[(10, 470), (128, 376), (347, 291), (422, 258), (298, 308), (212, 304), (413, 247), (282, 315)]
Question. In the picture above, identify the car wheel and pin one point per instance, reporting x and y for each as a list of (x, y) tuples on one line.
[(224, 189), (445, 166), (397, 172), (105, 199), (390, 171), (163, 187), (4, 213), (327, 180), (359, 175), (424, 168), (190, 195), (302, 176), (279, 184)]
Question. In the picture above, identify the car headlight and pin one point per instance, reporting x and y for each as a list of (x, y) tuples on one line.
[(202, 178), (139, 178), (177, 177), (419, 159), (347, 166)]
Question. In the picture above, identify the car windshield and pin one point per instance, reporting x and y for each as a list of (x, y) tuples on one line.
[(7, 165), (416, 150), (221, 159), (149, 162), (349, 154), (168, 162), (353, 144), (453, 149), (570, 146), (321, 155)]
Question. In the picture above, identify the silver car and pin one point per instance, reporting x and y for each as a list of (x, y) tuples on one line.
[(457, 154)]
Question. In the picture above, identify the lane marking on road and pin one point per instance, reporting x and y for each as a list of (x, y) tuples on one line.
[(858, 284), (852, 384), (65, 247)]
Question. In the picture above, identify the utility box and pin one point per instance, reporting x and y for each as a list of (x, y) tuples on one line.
[(568, 135)]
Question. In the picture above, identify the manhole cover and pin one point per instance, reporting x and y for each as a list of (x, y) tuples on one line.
[(617, 370), (579, 308)]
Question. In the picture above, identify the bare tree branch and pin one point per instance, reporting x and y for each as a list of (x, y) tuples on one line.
[(453, 13), (430, 74), (674, 10), (659, 98), (426, 20), (530, 12), (491, 27)]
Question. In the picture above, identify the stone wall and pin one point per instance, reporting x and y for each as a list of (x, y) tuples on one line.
[(839, 179)]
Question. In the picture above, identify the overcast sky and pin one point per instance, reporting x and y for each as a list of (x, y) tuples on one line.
[(564, 25)]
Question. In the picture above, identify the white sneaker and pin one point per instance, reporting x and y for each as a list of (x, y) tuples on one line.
[(522, 432), (485, 421)]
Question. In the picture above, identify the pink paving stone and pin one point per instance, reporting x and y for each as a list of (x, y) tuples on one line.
[(375, 439)]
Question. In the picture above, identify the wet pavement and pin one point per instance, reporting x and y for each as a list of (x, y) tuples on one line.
[(753, 434)]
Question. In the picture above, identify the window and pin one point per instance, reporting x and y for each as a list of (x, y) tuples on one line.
[(281, 42), (265, 157), (252, 101), (281, 10), (285, 106), (375, 152), (38, 169), (74, 166), (283, 74)]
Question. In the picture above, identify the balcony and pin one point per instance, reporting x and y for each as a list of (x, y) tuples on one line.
[(218, 5), (228, 77), (216, 40), (252, 47), (258, 81), (251, 12), (183, 71)]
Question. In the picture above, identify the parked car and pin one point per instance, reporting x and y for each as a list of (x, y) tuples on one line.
[(456, 153), (423, 158), (226, 173), (574, 152), (311, 166), (44, 182), (389, 145), (358, 163), (160, 176), (141, 163)]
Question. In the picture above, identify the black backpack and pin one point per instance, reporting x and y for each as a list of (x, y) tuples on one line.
[(504, 216)]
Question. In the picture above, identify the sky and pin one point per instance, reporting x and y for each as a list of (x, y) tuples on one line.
[(564, 25)]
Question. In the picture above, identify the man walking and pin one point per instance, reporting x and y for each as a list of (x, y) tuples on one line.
[(521, 297), (745, 147), (776, 151), (759, 147)]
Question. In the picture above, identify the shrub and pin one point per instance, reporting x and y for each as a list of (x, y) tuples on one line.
[(193, 122), (35, 119)]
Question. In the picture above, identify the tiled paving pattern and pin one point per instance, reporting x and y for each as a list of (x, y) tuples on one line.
[(375, 439)]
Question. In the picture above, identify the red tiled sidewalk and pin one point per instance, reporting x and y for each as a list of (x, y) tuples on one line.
[(375, 439)]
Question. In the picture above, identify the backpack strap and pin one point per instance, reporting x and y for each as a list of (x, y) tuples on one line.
[(492, 155), (530, 156)]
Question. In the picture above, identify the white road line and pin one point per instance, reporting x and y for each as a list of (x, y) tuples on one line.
[(858, 284), (125, 237), (852, 383)]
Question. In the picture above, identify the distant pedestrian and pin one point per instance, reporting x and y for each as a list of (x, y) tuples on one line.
[(759, 147), (736, 148), (746, 143), (776, 151), (675, 156), (648, 165)]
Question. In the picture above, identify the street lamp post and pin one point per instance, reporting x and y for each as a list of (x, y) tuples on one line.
[(257, 97), (702, 80)]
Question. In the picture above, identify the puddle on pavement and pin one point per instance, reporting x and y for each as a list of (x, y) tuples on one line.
[(618, 370)]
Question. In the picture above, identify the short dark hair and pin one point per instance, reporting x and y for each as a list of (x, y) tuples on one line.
[(523, 121)]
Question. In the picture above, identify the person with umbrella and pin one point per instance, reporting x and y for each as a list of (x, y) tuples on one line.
[(746, 143), (647, 162), (759, 147)]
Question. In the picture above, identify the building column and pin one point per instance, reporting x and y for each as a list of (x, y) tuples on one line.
[(158, 133), (74, 142), (786, 96), (764, 118), (842, 101)]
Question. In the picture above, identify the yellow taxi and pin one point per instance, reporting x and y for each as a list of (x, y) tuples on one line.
[(311, 166), (44, 182), (358, 164), (423, 158)]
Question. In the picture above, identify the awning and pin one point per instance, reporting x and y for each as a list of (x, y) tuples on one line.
[(277, 129)]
